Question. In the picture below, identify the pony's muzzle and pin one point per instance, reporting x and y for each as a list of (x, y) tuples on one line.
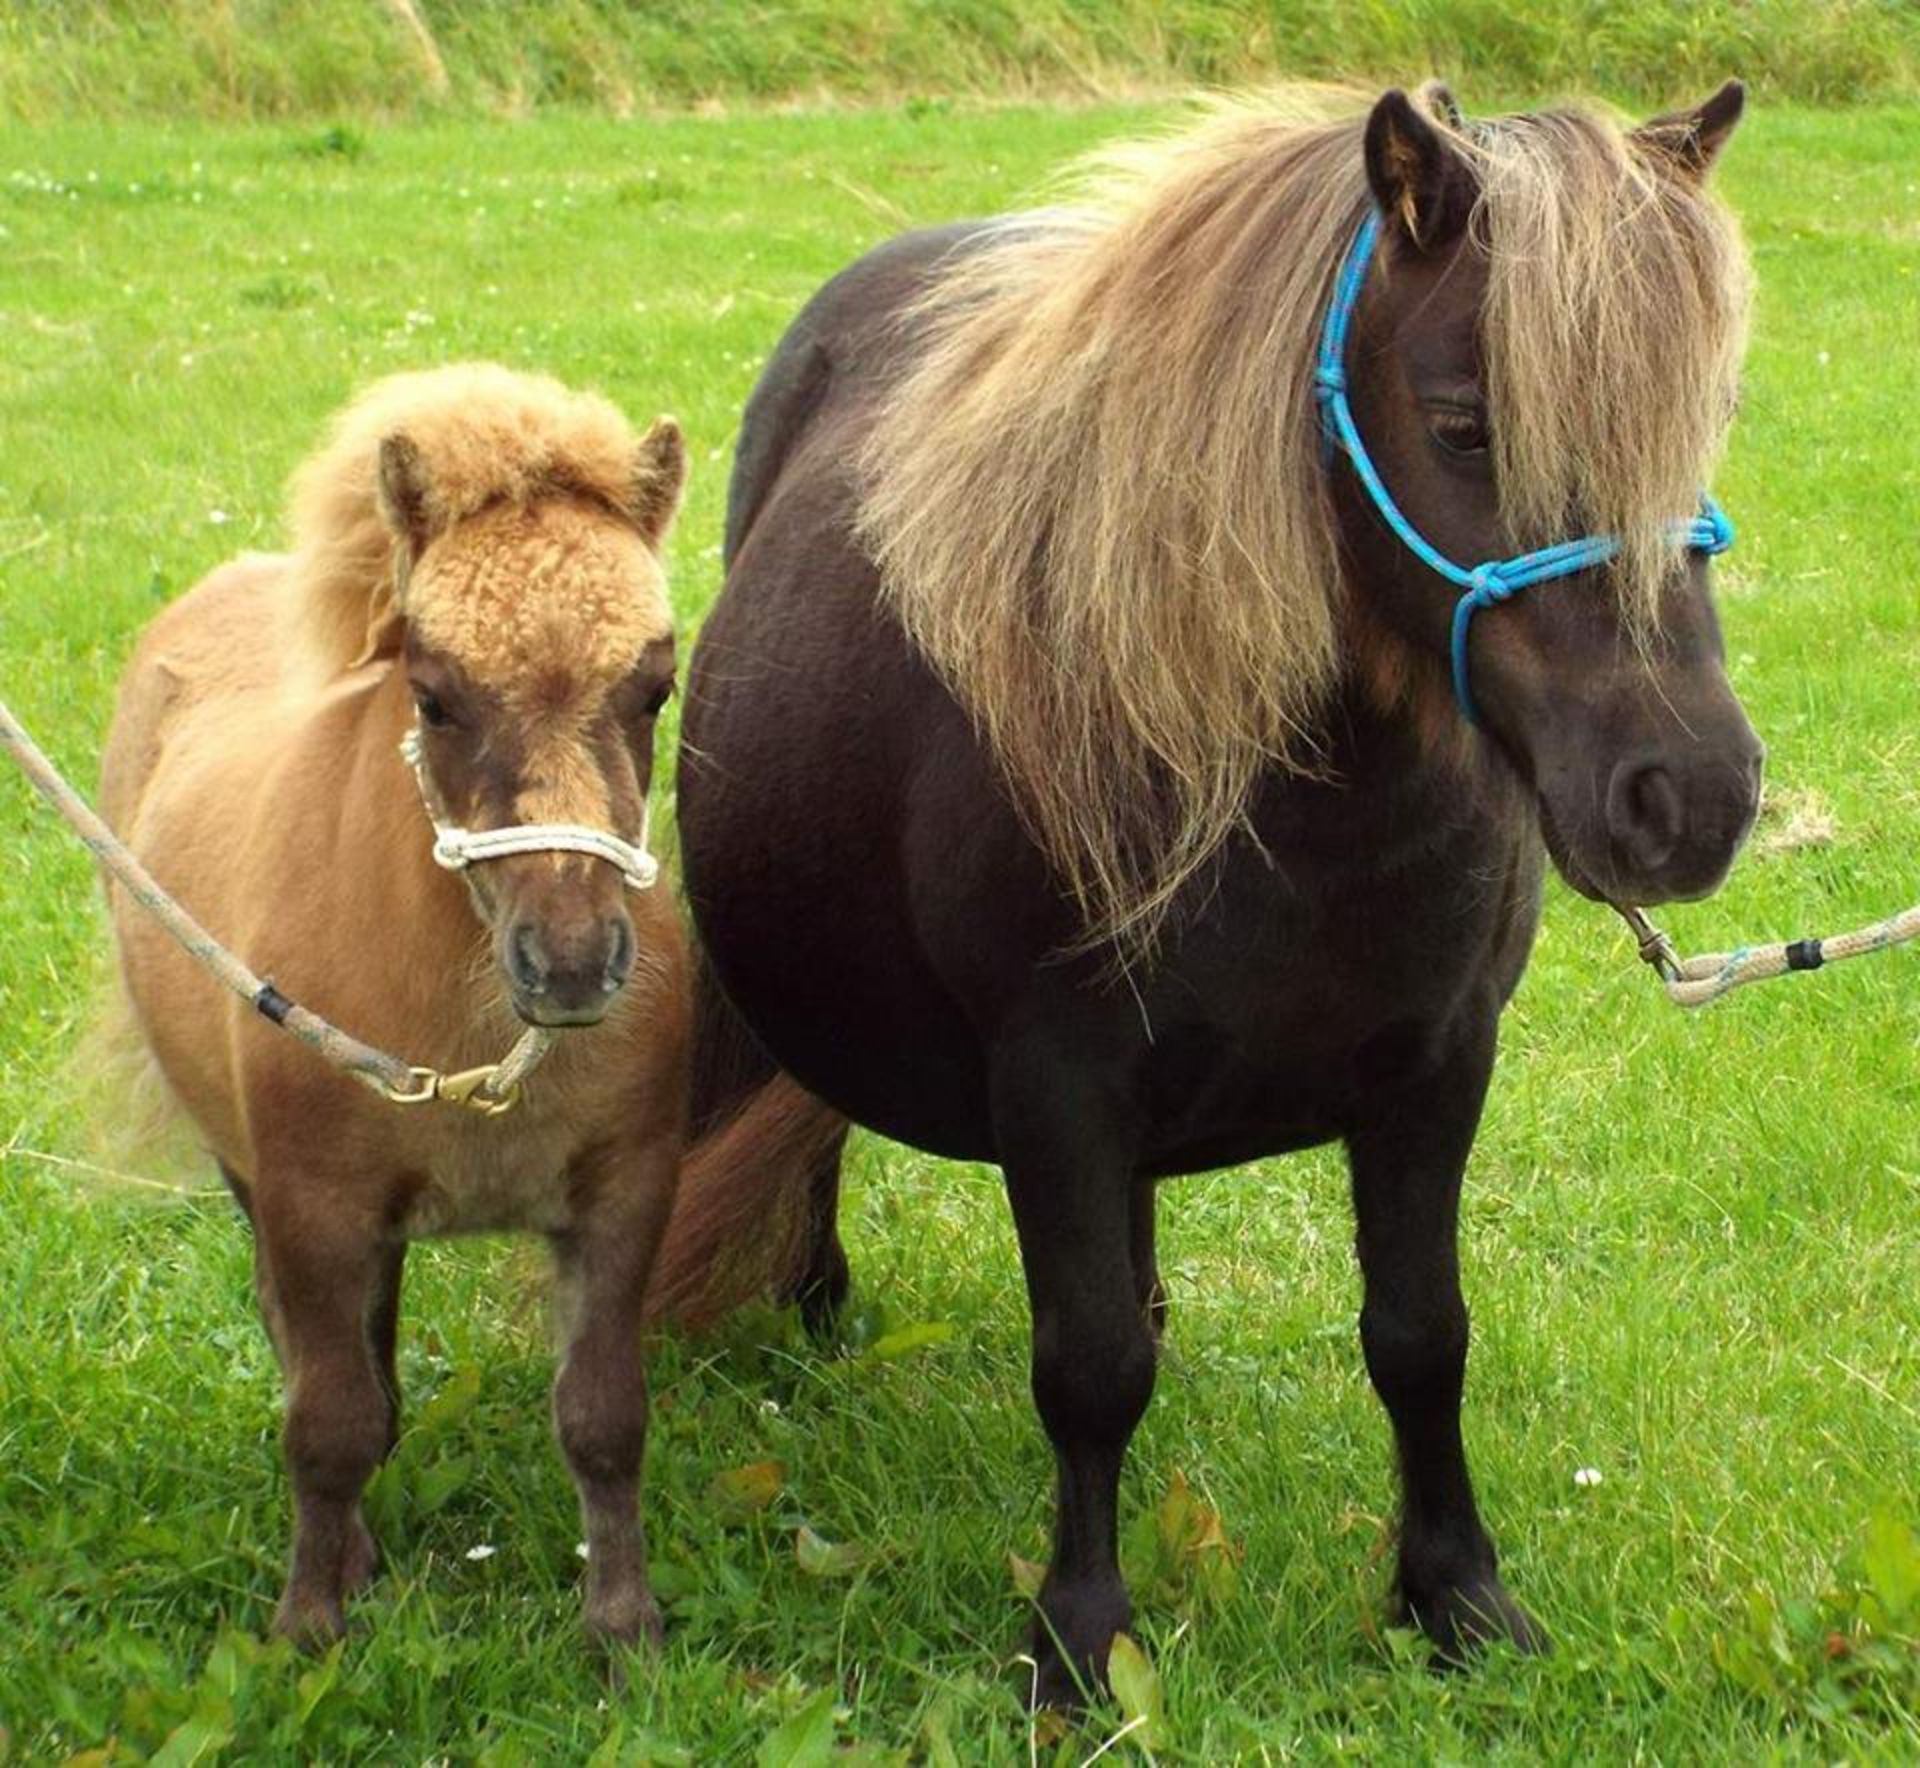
[(1675, 829), (566, 970)]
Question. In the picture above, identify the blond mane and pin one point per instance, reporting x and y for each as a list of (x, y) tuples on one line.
[(1096, 493), (486, 437)]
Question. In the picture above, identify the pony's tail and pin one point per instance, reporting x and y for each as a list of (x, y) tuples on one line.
[(134, 1131), (743, 1213)]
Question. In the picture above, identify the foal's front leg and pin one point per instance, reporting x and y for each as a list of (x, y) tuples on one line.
[(1406, 1167), (600, 1394), (320, 1269), (1068, 1160)]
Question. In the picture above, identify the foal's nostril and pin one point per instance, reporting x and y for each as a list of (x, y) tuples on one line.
[(1646, 813), (526, 962), (619, 955)]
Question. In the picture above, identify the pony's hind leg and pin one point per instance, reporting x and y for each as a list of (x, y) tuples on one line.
[(600, 1393), (1068, 1170), (1406, 1168), (821, 1278), (318, 1273)]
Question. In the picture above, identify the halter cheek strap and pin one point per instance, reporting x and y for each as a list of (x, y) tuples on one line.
[(1497, 580), (456, 848)]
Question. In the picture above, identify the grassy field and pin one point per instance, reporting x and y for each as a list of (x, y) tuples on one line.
[(1693, 1245), (283, 58)]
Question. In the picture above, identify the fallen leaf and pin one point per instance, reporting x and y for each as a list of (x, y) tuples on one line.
[(905, 1339), (1028, 1575), (804, 1740), (821, 1558), (1050, 1727), (1136, 1686), (741, 1492)]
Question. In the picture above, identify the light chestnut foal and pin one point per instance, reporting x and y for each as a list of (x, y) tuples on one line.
[(476, 560)]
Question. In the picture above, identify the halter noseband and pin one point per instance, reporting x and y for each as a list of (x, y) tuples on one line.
[(456, 848), (1485, 585)]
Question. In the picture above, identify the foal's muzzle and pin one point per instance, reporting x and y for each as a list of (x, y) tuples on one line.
[(566, 969)]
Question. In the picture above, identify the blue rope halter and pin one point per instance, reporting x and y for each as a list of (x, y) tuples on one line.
[(1498, 580)]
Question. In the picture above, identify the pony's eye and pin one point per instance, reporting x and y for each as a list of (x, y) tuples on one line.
[(1459, 429), (656, 700), (433, 714)]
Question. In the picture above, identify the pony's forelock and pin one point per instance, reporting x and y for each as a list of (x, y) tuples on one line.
[(1616, 321), (1096, 493), (485, 436)]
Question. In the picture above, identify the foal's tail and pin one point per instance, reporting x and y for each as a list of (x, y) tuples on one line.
[(741, 1217)]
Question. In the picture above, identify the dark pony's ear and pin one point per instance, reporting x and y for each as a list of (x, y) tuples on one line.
[(403, 492), (1690, 141), (659, 476), (1419, 178)]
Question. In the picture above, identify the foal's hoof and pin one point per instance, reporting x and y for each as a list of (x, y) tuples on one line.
[(621, 1627), (1462, 1619), (310, 1623)]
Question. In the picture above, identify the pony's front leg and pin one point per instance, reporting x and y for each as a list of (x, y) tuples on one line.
[(1068, 1160), (1406, 1168), (600, 1394), (320, 1270)]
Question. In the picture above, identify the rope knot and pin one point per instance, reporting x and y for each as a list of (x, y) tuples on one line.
[(1488, 586)]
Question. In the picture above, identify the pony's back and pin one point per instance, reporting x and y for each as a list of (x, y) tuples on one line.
[(210, 645)]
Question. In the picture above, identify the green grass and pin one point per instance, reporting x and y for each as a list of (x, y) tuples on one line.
[(1692, 1243), (280, 58)]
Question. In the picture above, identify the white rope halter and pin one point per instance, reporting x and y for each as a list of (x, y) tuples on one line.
[(456, 848)]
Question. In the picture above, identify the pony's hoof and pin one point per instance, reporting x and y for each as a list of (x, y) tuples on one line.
[(310, 1623), (1071, 1640), (821, 1297), (1463, 1619), (625, 1627)]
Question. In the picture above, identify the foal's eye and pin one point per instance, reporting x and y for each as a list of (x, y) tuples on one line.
[(1459, 429), (657, 700), (433, 714)]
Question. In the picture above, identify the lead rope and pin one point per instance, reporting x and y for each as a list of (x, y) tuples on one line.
[(490, 1090), (1693, 982)]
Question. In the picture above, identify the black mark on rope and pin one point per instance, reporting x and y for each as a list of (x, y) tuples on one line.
[(1805, 954), (270, 1003)]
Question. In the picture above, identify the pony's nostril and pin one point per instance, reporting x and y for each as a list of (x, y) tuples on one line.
[(1656, 803), (525, 960), (619, 956), (1646, 813)]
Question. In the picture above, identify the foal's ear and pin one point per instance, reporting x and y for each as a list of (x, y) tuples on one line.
[(1420, 179), (403, 491), (1690, 141), (659, 476)]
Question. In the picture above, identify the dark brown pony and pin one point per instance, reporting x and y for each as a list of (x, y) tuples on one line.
[(1070, 775)]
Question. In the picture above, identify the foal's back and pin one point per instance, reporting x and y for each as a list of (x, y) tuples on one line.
[(203, 655)]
